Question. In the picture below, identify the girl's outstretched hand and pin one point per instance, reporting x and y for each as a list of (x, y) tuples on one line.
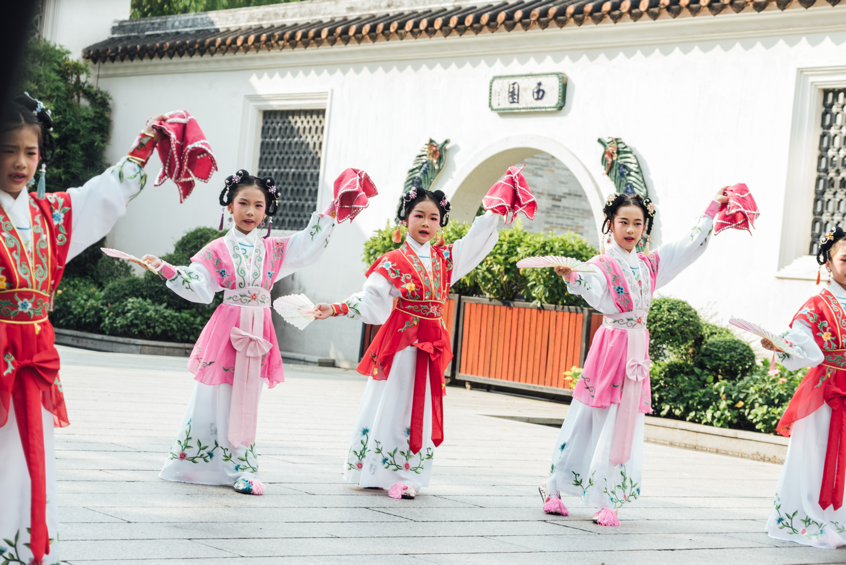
[(769, 346), (149, 261), (323, 311), (563, 271), (157, 135), (721, 195)]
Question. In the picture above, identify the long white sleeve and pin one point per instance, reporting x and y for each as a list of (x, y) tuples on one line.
[(471, 249), (678, 255), (99, 203), (802, 335), (194, 283), (593, 287), (305, 247), (374, 303)]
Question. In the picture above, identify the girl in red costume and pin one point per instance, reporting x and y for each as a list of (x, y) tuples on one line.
[(38, 236), (808, 506), (400, 421)]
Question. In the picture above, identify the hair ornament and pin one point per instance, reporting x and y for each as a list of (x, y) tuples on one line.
[(826, 237), (446, 205), (410, 195), (609, 200), (650, 207)]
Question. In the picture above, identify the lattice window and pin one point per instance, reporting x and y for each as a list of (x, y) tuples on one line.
[(830, 187), (291, 149)]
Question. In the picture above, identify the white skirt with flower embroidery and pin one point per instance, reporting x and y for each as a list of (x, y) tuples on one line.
[(202, 453), (15, 506), (580, 460), (797, 515), (379, 454)]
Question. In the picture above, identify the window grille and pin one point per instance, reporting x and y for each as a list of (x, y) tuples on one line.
[(291, 149), (830, 185)]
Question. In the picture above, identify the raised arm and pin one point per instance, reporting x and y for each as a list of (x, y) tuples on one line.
[(678, 255), (305, 247), (99, 203), (471, 249)]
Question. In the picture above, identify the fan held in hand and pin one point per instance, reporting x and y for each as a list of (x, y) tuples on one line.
[(296, 309), (784, 345), (117, 254), (553, 261)]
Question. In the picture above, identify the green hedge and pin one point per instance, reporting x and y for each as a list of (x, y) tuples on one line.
[(703, 373), (99, 294), (497, 276)]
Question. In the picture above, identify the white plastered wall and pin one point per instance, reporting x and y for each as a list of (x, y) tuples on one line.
[(705, 102)]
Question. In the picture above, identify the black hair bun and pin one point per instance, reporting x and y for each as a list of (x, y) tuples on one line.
[(37, 108), (827, 242)]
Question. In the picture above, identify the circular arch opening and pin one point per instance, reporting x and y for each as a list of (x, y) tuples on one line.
[(568, 196)]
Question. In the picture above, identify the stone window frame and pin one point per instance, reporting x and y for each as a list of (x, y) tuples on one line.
[(794, 262), (249, 146)]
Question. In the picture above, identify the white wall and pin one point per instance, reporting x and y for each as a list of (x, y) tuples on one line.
[(706, 102), (76, 24)]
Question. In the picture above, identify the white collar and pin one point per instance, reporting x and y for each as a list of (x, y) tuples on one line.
[(247, 238), (629, 257), (16, 208), (418, 247), (836, 290)]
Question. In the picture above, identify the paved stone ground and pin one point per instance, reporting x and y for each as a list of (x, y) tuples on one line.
[(482, 506)]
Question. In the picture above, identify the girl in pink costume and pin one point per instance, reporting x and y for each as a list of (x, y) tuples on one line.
[(237, 350), (599, 452)]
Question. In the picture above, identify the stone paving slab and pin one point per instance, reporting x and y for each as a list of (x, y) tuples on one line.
[(482, 506)]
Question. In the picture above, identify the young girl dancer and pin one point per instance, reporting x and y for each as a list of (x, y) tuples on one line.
[(237, 350), (598, 455), (400, 421), (808, 506), (38, 236)]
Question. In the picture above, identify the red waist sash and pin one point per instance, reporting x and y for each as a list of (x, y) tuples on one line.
[(23, 306), (834, 470)]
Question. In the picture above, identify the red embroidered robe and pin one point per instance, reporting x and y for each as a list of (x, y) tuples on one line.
[(825, 383), (416, 320), (29, 362)]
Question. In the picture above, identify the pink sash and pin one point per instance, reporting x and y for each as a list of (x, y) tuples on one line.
[(249, 346), (637, 369)]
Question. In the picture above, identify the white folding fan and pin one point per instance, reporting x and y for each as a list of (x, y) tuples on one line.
[(553, 261), (126, 256), (296, 309), (779, 341)]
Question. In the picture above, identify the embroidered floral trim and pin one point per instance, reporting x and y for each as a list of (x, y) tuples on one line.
[(185, 451), (578, 481), (623, 492), (10, 364), (11, 555), (355, 459), (407, 461), (806, 528)]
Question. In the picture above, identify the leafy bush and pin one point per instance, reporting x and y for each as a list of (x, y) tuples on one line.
[(730, 358), (80, 112), (143, 319), (673, 327), (100, 295), (754, 402), (497, 275), (543, 286)]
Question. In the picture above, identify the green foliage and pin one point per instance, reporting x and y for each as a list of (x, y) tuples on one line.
[(754, 402), (381, 243), (497, 275), (99, 295), (730, 358), (543, 286), (427, 165), (673, 327), (143, 319), (153, 8), (80, 110)]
